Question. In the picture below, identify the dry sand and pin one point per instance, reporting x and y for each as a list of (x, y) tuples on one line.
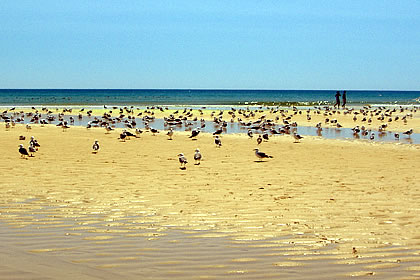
[(327, 209)]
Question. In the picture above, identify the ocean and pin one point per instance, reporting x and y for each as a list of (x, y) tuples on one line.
[(181, 97)]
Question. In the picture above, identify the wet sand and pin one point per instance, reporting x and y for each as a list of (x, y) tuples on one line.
[(330, 208)]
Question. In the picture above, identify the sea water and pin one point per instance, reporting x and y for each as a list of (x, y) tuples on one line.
[(144, 97)]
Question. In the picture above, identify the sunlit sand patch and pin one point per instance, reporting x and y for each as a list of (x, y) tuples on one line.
[(110, 265), (99, 237), (238, 271), (83, 228), (413, 268), (82, 260), (210, 235), (242, 260), (354, 260), (73, 234), (51, 250), (170, 262), (287, 264), (100, 230), (212, 266), (104, 254), (361, 273), (147, 234)]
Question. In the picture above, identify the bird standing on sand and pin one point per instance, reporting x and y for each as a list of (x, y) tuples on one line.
[(261, 155), (197, 157), (138, 132), (195, 132), (297, 137), (265, 136), (218, 132), (259, 139), (182, 160), (123, 136), (129, 134), (108, 129), (218, 141), (31, 150), (33, 142), (65, 126), (170, 133), (95, 147), (154, 131), (23, 152)]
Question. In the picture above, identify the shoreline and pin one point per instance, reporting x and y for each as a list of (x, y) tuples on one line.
[(347, 118)]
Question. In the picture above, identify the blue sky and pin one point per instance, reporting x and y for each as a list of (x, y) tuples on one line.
[(210, 44)]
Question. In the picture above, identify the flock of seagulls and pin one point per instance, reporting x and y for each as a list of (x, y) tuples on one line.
[(262, 125), (32, 148)]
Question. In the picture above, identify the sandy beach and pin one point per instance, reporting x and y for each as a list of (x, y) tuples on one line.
[(335, 208)]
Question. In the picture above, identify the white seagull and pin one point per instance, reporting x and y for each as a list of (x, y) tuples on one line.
[(261, 155), (95, 147), (297, 137), (197, 156), (182, 160), (218, 141), (408, 132), (170, 133)]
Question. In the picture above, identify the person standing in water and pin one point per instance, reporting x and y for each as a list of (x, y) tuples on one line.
[(344, 99), (337, 100)]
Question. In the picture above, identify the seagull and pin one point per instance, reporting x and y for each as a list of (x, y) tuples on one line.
[(28, 127), (183, 160), (170, 133), (123, 136), (195, 132), (265, 136), (218, 132), (259, 139), (197, 156), (408, 132), (261, 155), (95, 147), (297, 137), (138, 132), (154, 131), (108, 129), (397, 136), (129, 134), (372, 136), (250, 133), (23, 152), (32, 150), (217, 141), (7, 126), (65, 126), (33, 142)]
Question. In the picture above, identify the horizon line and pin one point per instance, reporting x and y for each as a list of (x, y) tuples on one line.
[(205, 89)]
